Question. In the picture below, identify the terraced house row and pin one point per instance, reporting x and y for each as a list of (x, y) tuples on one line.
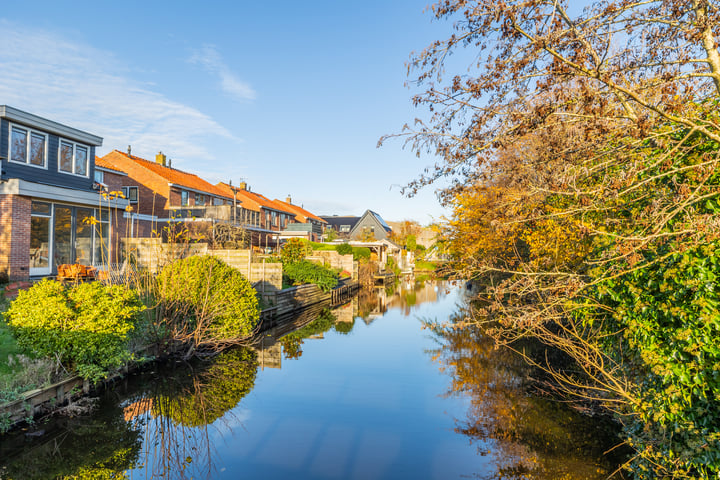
[(57, 204)]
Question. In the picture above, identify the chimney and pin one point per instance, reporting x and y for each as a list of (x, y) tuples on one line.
[(243, 186), (161, 159), (129, 149), (288, 199)]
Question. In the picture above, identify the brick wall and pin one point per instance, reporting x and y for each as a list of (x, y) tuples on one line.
[(15, 236)]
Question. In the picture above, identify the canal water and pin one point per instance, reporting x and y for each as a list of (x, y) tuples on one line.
[(366, 391)]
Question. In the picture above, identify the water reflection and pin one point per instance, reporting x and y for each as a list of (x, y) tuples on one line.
[(525, 435), (156, 424), (359, 400), (407, 295)]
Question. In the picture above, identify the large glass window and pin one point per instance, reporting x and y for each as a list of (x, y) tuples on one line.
[(74, 235), (102, 238), (73, 158), (27, 146), (184, 198)]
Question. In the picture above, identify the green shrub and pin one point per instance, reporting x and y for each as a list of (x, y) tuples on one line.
[(208, 297), (344, 249), (295, 250), (670, 349), (303, 272), (361, 254), (86, 327)]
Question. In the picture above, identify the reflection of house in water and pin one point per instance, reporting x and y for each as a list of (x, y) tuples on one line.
[(269, 355), (137, 408), (346, 313), (372, 304)]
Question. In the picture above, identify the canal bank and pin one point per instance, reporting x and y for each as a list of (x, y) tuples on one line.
[(287, 304), (376, 395)]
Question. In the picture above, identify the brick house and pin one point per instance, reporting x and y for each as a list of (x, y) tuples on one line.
[(160, 195), (267, 217), (306, 223), (52, 211)]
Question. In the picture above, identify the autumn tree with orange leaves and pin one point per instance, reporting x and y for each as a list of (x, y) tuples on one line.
[(582, 149)]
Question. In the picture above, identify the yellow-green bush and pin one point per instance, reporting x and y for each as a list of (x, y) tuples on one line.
[(86, 327), (206, 296)]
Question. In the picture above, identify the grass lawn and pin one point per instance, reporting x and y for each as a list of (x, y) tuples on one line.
[(19, 370), (8, 347)]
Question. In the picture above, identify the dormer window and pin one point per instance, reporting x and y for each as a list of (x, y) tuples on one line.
[(73, 158), (28, 147)]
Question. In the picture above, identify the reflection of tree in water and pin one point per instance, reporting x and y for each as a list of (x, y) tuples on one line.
[(98, 446), (208, 393), (177, 414), (527, 436), (161, 430), (344, 328), (292, 342)]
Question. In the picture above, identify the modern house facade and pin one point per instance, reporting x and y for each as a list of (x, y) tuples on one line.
[(52, 211)]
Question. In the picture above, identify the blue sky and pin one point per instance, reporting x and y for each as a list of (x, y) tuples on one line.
[(288, 96)]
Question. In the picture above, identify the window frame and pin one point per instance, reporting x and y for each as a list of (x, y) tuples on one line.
[(74, 146), (184, 198), (126, 191), (29, 132)]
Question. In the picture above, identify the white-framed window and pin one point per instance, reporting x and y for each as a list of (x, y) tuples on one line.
[(131, 193), (28, 146), (344, 228), (99, 176), (73, 158)]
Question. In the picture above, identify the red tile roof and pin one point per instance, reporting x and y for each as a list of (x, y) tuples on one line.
[(102, 163), (252, 200), (172, 175), (299, 211)]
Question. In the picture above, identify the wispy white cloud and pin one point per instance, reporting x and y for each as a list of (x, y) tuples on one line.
[(212, 61), (76, 84)]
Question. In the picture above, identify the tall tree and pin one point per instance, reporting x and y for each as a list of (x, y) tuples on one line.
[(583, 148)]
